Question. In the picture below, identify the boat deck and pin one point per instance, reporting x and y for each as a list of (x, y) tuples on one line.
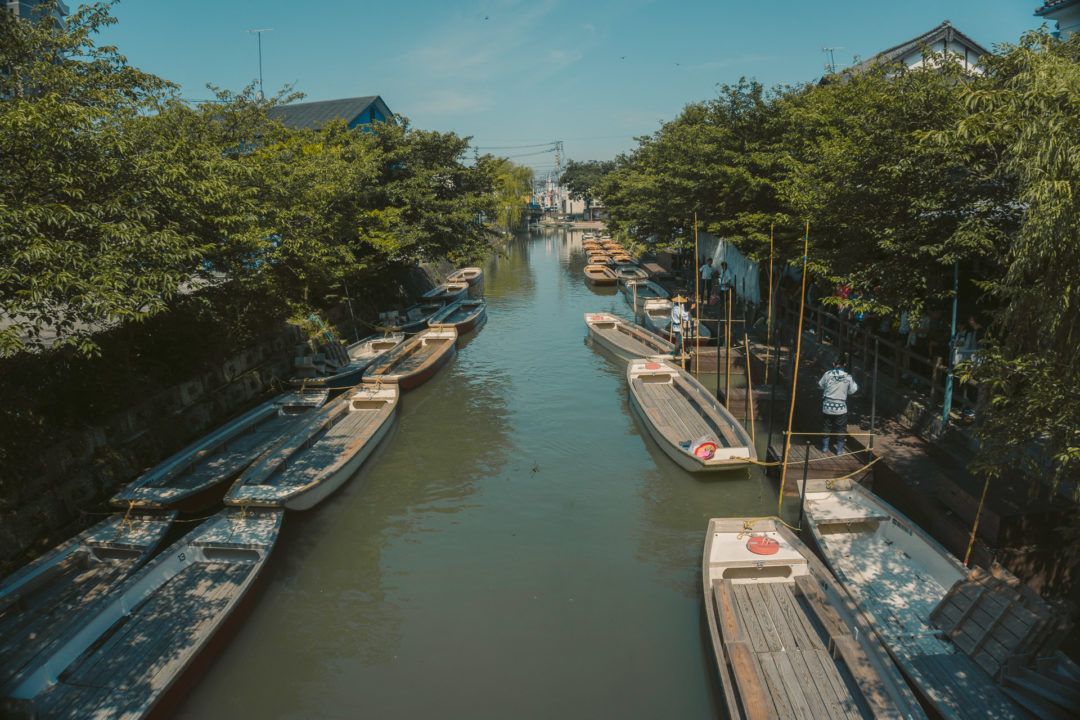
[(781, 663), (415, 359), (115, 677), (900, 595), (31, 626), (674, 415), (306, 466)]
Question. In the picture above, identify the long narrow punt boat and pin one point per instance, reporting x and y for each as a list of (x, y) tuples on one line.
[(416, 360), (46, 599), (897, 574), (788, 641), (124, 657), (599, 258), (626, 271), (463, 316), (361, 355), (622, 257), (469, 275), (195, 478), (686, 420), (636, 292), (626, 340), (600, 275), (309, 467), (415, 317), (655, 315), (447, 292)]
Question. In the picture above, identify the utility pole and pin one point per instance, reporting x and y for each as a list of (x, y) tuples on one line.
[(258, 32)]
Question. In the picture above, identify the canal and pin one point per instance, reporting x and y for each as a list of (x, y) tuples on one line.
[(517, 548)]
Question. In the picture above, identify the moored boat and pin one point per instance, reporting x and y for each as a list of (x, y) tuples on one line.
[(623, 258), (626, 271), (124, 657), (447, 292), (463, 316), (361, 355), (45, 600), (194, 478), (689, 424), (636, 292), (415, 317), (416, 360), (787, 641), (624, 339), (897, 575), (303, 471), (600, 275), (470, 275)]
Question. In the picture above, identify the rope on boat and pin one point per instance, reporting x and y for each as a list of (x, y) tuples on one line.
[(748, 525)]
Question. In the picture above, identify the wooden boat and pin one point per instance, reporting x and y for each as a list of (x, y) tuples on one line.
[(626, 271), (415, 317), (195, 478), (623, 258), (463, 316), (787, 640), (592, 245), (124, 657), (599, 257), (600, 275), (688, 423), (636, 292), (447, 292), (655, 315), (301, 472), (46, 599), (624, 339), (469, 275), (361, 355), (416, 360), (897, 574)]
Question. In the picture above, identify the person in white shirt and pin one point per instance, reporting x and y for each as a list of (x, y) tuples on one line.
[(836, 385), (707, 271), (682, 319), (725, 278)]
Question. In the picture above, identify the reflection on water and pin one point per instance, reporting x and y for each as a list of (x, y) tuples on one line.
[(519, 547)]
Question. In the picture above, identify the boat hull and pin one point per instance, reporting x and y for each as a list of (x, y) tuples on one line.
[(415, 380), (683, 460)]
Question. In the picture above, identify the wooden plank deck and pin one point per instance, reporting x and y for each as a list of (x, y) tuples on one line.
[(670, 411), (782, 666), (821, 468)]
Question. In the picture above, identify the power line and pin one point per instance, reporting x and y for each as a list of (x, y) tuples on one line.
[(513, 147)]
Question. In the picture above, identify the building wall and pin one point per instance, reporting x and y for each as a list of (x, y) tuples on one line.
[(1067, 19), (968, 57), (27, 9)]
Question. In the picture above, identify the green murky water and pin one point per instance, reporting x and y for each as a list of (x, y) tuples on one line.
[(517, 548)]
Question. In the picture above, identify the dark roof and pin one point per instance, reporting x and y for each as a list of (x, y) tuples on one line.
[(1050, 6), (945, 31), (314, 115)]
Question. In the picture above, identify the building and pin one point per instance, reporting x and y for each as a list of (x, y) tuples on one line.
[(356, 112), (29, 10), (1066, 13), (944, 39)]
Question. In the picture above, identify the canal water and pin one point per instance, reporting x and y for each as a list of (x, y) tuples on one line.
[(519, 547)]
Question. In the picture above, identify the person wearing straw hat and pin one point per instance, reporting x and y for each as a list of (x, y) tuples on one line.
[(681, 319)]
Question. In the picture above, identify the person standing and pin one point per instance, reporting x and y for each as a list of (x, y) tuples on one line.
[(707, 271), (836, 385), (681, 321)]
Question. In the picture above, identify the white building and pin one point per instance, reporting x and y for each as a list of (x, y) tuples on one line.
[(28, 10), (1066, 13), (942, 40)]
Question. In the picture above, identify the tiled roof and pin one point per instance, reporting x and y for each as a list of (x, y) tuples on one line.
[(314, 115), (1052, 5), (945, 31)]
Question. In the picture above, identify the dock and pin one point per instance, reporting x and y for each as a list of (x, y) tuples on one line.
[(822, 468)]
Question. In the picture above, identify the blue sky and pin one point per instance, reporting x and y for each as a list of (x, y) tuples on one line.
[(593, 73)]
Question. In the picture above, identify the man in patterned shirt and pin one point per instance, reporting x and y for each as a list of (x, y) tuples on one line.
[(836, 385)]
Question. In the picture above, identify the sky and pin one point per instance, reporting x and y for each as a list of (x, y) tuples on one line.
[(512, 73)]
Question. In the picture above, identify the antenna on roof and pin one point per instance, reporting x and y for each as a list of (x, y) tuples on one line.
[(830, 52), (258, 32)]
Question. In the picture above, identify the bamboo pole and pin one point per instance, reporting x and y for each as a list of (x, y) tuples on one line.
[(768, 324), (975, 526), (795, 370), (697, 300), (750, 388), (727, 355)]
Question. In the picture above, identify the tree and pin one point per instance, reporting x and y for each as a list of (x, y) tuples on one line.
[(513, 185), (1025, 113), (84, 239), (583, 179)]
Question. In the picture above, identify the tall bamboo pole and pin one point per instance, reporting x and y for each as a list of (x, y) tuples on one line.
[(768, 324), (697, 300), (750, 390), (795, 371), (727, 355)]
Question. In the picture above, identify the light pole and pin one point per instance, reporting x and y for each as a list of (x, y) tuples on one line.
[(259, 33)]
